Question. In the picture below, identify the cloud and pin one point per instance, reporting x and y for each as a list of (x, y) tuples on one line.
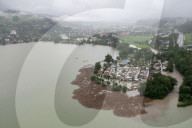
[(177, 8), (134, 10), (105, 10), (63, 7)]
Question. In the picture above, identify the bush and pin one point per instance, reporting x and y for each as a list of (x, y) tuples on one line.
[(108, 83), (95, 71), (116, 88), (142, 88), (124, 89), (93, 78), (158, 87), (98, 82), (104, 85)]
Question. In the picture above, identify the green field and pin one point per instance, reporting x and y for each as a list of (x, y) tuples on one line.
[(136, 40), (188, 39)]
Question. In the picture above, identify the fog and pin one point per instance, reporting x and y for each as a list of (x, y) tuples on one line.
[(104, 10)]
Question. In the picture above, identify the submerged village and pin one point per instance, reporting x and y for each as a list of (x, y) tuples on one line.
[(125, 84), (128, 83), (122, 75)]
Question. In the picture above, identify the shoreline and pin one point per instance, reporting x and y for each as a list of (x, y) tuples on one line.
[(94, 96)]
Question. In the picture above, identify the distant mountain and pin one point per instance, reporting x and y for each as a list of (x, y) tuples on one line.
[(186, 27)]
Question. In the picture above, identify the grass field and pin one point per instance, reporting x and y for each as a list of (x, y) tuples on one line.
[(188, 38), (140, 45), (135, 40)]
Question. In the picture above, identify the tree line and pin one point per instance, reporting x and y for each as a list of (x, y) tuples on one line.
[(158, 87), (183, 62)]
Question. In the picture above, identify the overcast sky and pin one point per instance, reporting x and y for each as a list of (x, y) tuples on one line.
[(104, 10)]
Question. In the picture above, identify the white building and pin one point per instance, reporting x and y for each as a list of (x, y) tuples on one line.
[(13, 32)]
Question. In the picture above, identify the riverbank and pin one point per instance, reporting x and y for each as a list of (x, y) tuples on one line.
[(91, 95), (158, 107)]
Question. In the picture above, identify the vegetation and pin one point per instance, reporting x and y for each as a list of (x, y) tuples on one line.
[(170, 65), (138, 41), (110, 39), (186, 27), (158, 87), (144, 54), (108, 58), (124, 89), (142, 88), (183, 61), (103, 80), (97, 67), (116, 88), (124, 51), (188, 39), (135, 56), (160, 45), (28, 28)]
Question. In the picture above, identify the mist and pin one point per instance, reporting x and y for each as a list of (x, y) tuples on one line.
[(103, 10)]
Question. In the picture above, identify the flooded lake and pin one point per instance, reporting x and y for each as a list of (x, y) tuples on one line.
[(36, 91)]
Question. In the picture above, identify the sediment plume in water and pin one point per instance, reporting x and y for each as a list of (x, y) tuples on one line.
[(91, 95)]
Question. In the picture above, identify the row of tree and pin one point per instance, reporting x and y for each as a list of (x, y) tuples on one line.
[(183, 61), (159, 42), (110, 39), (158, 87)]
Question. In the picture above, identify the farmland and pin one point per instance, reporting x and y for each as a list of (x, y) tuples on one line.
[(139, 41), (188, 39)]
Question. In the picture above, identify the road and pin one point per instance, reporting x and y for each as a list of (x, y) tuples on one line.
[(180, 38)]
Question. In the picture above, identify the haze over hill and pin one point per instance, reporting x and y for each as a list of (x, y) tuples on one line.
[(103, 10)]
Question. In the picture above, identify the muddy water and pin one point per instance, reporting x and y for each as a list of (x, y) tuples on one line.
[(165, 112), (49, 65)]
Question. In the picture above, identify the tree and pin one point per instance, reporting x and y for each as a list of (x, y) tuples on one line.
[(15, 18), (118, 58), (97, 66), (142, 88), (184, 90), (170, 65), (104, 85), (133, 78), (93, 78), (145, 54), (98, 81), (95, 71), (108, 83), (116, 88), (158, 87), (124, 89), (108, 58), (105, 66), (188, 81)]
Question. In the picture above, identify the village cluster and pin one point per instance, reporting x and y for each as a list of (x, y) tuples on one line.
[(124, 74), (29, 31)]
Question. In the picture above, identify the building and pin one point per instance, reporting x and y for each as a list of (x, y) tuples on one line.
[(124, 62)]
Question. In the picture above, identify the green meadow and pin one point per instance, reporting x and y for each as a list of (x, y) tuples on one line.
[(188, 39), (137, 40)]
